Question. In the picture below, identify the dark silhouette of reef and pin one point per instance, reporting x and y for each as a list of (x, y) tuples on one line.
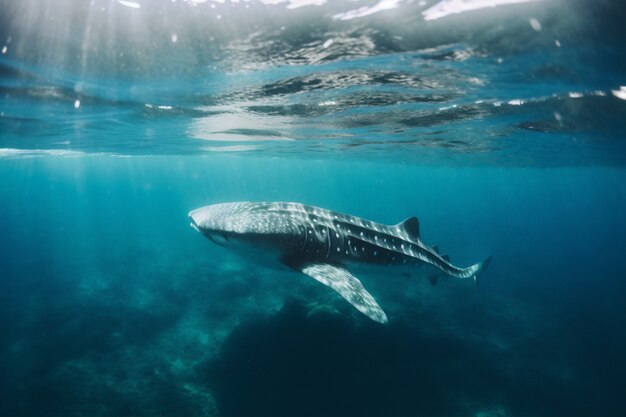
[(303, 364)]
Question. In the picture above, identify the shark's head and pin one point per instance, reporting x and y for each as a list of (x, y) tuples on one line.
[(216, 222), (245, 225)]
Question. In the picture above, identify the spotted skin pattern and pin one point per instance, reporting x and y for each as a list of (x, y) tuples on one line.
[(320, 242)]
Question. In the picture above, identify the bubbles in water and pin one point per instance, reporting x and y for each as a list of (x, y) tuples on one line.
[(534, 23)]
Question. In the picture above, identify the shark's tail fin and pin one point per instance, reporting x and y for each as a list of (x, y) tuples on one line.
[(475, 270)]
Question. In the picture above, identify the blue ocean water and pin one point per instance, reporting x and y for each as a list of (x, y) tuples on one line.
[(500, 125)]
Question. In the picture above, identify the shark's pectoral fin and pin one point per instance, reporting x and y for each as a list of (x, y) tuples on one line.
[(348, 286)]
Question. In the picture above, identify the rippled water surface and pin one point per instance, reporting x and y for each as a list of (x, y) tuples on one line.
[(500, 124), (534, 83)]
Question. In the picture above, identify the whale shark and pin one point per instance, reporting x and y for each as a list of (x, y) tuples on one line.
[(326, 245)]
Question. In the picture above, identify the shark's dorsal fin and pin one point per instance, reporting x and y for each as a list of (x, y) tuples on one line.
[(412, 227), (436, 248), (445, 257), (348, 286)]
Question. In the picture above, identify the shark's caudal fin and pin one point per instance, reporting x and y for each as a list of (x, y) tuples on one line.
[(475, 270)]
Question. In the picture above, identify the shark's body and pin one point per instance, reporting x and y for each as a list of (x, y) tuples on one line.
[(323, 244)]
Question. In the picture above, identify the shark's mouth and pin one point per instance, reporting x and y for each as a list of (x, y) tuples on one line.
[(193, 224), (214, 236)]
